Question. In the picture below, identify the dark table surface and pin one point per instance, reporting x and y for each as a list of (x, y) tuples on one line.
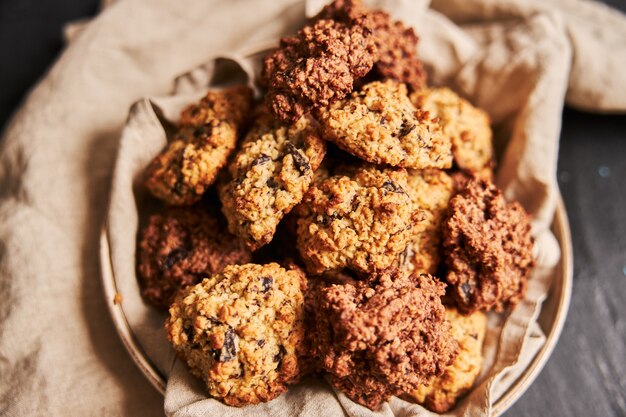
[(586, 375)]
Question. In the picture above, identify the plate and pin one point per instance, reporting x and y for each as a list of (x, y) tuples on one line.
[(551, 318)]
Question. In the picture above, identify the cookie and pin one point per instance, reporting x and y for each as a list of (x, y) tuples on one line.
[(180, 247), (441, 393), (241, 331), (468, 127), (382, 336), (207, 135), (379, 124), (316, 67), (396, 45), (430, 191), (488, 248), (360, 219), (270, 174)]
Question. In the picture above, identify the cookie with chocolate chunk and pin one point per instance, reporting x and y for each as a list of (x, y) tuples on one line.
[(207, 135), (180, 247), (442, 392), (382, 336), (360, 218), (488, 248), (379, 124), (269, 176), (241, 331)]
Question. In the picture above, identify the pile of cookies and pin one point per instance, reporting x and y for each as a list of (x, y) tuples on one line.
[(345, 225)]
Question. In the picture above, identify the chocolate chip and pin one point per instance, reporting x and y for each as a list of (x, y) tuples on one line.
[(178, 186), (466, 291), (299, 161), (189, 333), (261, 160), (279, 356), (173, 257), (267, 283), (229, 349), (261, 342), (203, 131), (406, 128), (393, 187), (272, 183), (327, 218)]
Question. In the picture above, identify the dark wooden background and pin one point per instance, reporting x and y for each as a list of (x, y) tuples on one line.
[(586, 375)]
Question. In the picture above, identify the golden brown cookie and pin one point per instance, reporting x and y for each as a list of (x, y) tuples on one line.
[(179, 248), (488, 248), (241, 331), (430, 190), (360, 219), (379, 124), (382, 336), (442, 392), (468, 127), (269, 176), (207, 135)]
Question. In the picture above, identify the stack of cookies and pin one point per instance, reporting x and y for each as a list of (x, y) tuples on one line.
[(345, 225)]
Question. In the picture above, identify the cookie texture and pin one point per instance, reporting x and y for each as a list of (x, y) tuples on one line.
[(207, 135), (396, 45), (270, 174), (379, 124), (180, 247), (316, 67), (442, 392), (430, 191), (360, 219), (383, 336), (488, 248), (468, 127), (241, 331)]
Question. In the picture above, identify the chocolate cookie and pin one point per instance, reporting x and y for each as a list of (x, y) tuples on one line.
[(442, 392), (270, 174), (360, 219), (382, 336), (488, 248), (379, 124), (207, 135), (241, 331), (396, 45), (468, 127), (316, 67), (179, 248)]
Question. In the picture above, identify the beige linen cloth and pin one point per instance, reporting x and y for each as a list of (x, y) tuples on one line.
[(73, 146)]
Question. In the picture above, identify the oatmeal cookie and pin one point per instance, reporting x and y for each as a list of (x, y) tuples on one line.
[(316, 67), (488, 248), (379, 124), (396, 45), (360, 219), (430, 190), (241, 331), (270, 174), (382, 336), (207, 135), (442, 392), (468, 127), (179, 248)]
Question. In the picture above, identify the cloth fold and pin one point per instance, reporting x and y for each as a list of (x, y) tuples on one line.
[(59, 354)]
